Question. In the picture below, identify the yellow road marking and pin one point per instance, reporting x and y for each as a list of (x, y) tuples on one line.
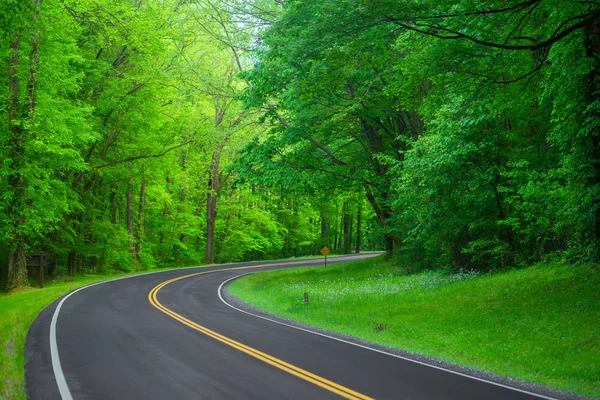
[(299, 372)]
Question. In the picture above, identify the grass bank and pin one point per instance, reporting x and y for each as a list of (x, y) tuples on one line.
[(539, 324), (17, 312)]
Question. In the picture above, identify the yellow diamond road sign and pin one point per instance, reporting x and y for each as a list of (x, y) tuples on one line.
[(325, 250)]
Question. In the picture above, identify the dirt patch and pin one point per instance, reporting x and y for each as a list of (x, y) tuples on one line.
[(10, 347)]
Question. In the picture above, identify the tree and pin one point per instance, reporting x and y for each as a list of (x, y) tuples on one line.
[(319, 79), (39, 142)]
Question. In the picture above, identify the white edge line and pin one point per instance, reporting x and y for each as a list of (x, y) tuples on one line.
[(59, 376), (371, 348)]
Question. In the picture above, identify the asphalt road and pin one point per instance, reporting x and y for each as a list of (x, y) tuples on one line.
[(137, 339)]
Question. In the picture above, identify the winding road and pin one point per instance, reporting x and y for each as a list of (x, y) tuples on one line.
[(169, 335)]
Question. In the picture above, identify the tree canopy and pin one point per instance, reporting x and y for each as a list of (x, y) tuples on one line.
[(451, 134)]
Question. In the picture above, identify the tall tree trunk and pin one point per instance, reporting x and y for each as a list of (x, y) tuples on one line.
[(17, 271), (324, 229), (350, 231), (197, 214), (34, 61), (211, 217), (346, 227), (592, 46), (113, 204), (358, 226), (71, 259), (17, 116), (383, 214), (130, 218), (180, 207), (140, 221), (336, 230), (211, 206), (380, 203), (215, 182)]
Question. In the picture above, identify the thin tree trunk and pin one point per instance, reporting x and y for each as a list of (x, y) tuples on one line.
[(113, 204), (71, 258), (324, 229), (211, 217), (346, 227), (197, 214), (130, 218), (34, 60), (211, 206), (358, 226), (336, 230), (140, 221), (180, 207), (350, 231)]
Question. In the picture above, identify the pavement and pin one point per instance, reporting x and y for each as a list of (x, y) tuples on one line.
[(169, 335)]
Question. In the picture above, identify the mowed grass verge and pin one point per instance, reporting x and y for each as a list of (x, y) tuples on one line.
[(18, 310), (540, 324), (17, 313)]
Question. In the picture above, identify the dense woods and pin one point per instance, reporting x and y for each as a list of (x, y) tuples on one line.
[(452, 134)]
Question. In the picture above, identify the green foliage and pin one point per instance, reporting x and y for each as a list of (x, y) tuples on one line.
[(492, 111), (467, 133), (131, 95)]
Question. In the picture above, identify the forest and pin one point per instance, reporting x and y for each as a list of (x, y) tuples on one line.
[(451, 134)]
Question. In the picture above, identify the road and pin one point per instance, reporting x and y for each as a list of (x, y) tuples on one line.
[(169, 335)]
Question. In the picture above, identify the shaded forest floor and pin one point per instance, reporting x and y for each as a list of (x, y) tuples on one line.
[(540, 324)]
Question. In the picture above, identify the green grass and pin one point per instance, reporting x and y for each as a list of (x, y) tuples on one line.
[(539, 324), (17, 312)]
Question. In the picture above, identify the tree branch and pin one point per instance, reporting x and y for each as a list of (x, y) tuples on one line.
[(428, 29), (129, 159), (314, 141), (516, 7)]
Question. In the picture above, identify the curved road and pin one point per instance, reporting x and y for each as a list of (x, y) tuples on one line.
[(168, 335)]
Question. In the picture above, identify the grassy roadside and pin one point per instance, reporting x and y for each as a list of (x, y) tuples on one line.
[(17, 312), (539, 324)]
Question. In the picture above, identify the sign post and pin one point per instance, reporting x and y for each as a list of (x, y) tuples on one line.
[(37, 260), (325, 251)]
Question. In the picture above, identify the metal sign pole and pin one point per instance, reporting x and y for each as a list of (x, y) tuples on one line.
[(325, 251)]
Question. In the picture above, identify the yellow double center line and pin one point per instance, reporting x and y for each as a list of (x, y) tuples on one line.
[(299, 372)]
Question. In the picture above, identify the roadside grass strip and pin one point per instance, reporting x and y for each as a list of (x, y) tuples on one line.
[(540, 324), (17, 313), (18, 310)]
